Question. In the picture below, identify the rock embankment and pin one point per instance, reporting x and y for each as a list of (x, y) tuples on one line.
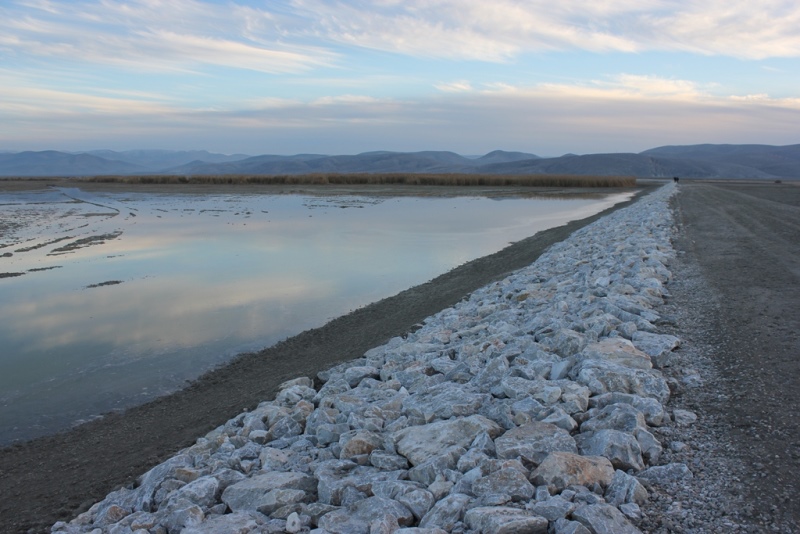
[(530, 406)]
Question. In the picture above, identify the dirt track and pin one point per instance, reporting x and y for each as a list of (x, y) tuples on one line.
[(744, 240), (56, 477)]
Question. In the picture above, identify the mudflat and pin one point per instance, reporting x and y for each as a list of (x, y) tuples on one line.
[(56, 477)]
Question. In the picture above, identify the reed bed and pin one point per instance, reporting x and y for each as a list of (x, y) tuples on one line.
[(529, 180)]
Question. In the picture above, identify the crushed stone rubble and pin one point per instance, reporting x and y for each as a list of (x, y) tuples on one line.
[(530, 406)]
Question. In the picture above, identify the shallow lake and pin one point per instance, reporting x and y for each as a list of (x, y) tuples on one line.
[(110, 299)]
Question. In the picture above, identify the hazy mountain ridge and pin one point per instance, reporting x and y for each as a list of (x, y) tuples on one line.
[(54, 163), (780, 161), (690, 161), (157, 160)]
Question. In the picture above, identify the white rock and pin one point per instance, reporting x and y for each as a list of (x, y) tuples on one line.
[(562, 469), (604, 519), (534, 441), (418, 443), (504, 520)]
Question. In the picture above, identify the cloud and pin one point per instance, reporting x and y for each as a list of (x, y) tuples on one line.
[(454, 87), (504, 29), (625, 112), (296, 36), (149, 35)]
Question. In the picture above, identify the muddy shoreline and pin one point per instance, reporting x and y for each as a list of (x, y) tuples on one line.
[(55, 477)]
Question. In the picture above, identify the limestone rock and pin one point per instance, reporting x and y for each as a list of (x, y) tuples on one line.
[(278, 498), (558, 417), (446, 401), (293, 523), (419, 501), (604, 519), (387, 461), (446, 512), (235, 523), (543, 391), (418, 443), (180, 515), (506, 481), (336, 476), (658, 346), (249, 493), (150, 481), (565, 342), (553, 508), (625, 489), (354, 375), (534, 441), (565, 526), (561, 469), (358, 518), (417, 530), (299, 381), (652, 410), (651, 447), (504, 520), (488, 379), (620, 448), (294, 394), (604, 377), (631, 510), (202, 492), (358, 442), (616, 350), (426, 472)]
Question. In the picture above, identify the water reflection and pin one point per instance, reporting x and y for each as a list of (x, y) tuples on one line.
[(126, 296)]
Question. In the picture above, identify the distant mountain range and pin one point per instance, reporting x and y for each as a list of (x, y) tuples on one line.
[(690, 161)]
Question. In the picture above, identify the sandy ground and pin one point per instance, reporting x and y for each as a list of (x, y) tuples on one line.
[(56, 477)]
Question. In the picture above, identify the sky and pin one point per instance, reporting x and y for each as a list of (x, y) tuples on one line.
[(350, 76)]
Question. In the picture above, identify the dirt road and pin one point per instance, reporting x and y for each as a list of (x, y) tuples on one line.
[(744, 240)]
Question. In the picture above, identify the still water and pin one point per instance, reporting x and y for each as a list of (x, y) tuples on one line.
[(110, 299)]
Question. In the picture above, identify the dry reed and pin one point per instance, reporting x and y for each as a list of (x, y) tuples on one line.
[(528, 180)]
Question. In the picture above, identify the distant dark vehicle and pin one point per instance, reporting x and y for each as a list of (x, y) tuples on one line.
[(778, 181), (675, 179)]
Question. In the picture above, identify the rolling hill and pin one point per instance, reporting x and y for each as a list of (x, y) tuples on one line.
[(762, 162)]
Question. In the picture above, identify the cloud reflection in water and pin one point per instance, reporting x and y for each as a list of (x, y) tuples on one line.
[(206, 277)]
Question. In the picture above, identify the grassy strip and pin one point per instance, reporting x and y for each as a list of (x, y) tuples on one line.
[(530, 180)]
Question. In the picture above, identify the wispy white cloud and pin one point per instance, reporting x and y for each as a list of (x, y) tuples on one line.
[(454, 87), (625, 112), (149, 35), (504, 29), (44, 103), (296, 35), (389, 74)]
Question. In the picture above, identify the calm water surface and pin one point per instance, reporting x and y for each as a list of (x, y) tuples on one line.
[(118, 298)]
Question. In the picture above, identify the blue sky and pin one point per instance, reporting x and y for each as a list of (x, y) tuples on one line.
[(342, 77)]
